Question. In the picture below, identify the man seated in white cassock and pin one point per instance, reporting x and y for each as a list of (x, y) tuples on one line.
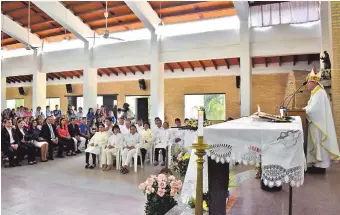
[(322, 146), (114, 144), (126, 129), (131, 142), (178, 134), (163, 139)]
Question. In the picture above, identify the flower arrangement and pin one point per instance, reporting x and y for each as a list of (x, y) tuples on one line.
[(160, 191), (193, 124), (325, 74), (181, 161), (205, 204)]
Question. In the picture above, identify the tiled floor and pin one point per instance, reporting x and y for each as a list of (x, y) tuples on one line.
[(65, 187)]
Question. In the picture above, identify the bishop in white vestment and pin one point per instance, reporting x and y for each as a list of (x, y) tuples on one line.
[(322, 141)]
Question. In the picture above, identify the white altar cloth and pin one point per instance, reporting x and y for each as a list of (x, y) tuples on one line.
[(244, 140)]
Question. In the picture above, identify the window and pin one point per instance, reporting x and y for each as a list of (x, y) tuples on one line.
[(80, 101), (14, 103), (131, 100), (214, 105), (52, 102)]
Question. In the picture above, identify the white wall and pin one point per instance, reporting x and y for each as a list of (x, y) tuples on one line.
[(274, 41)]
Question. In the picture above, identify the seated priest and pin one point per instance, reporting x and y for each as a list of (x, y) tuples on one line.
[(178, 134), (95, 146), (322, 146), (114, 144), (131, 142), (163, 139), (147, 139)]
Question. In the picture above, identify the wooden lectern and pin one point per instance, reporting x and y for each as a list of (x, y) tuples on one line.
[(302, 114)]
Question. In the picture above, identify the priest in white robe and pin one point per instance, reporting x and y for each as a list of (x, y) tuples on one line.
[(322, 145)]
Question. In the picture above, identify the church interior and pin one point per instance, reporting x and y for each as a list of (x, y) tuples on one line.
[(172, 107)]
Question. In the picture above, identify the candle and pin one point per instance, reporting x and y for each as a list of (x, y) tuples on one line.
[(200, 123)]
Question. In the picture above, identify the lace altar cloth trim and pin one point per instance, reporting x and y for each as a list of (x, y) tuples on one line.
[(224, 153), (276, 175)]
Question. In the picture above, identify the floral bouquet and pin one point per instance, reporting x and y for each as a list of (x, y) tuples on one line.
[(181, 161), (160, 191), (193, 124)]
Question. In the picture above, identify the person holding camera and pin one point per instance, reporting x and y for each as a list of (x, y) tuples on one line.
[(127, 113)]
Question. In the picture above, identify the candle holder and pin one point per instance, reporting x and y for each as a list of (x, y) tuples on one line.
[(200, 148)]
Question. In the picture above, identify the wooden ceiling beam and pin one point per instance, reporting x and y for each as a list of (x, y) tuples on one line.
[(215, 64), (48, 76), (97, 10), (140, 69), (175, 4), (120, 70), (74, 74), (77, 4), (14, 10), (266, 61), (130, 70), (16, 79), (226, 62), (54, 75), (105, 72), (113, 71), (198, 10), (42, 14), (99, 72), (10, 80), (170, 67), (202, 65), (61, 75), (191, 66), (180, 66)]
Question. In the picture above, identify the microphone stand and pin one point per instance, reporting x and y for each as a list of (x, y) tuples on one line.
[(283, 108)]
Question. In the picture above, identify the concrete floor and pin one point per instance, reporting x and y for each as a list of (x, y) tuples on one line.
[(63, 186)]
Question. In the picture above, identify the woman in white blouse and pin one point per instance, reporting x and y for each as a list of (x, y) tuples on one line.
[(113, 146)]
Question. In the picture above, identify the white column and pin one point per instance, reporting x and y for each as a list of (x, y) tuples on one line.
[(245, 69), (39, 84), (89, 82), (3, 93), (157, 80), (325, 30)]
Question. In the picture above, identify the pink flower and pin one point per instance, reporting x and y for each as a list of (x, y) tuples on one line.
[(153, 176), (162, 184), (173, 193), (179, 156), (161, 177), (149, 190), (142, 186), (150, 181), (161, 192), (173, 184), (171, 178)]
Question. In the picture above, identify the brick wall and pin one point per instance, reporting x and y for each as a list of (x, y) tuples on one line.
[(268, 92), (335, 12)]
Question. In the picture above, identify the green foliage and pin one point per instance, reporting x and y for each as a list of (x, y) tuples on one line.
[(159, 206), (215, 106)]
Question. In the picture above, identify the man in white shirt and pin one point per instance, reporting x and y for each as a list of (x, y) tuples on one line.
[(178, 133), (139, 126), (131, 142), (108, 126), (126, 129), (121, 124)]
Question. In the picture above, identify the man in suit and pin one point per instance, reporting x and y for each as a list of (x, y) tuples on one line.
[(10, 145), (74, 131), (49, 133)]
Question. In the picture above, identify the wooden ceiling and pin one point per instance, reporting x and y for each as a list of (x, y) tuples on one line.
[(121, 18), (173, 66)]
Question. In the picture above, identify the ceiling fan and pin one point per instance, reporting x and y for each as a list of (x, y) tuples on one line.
[(106, 34), (29, 46)]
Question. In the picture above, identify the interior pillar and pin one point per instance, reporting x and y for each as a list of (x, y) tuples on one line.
[(90, 79), (38, 84)]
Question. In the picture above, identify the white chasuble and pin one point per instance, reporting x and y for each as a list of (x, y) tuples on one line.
[(322, 141)]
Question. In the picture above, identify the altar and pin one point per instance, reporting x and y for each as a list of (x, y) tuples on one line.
[(279, 147)]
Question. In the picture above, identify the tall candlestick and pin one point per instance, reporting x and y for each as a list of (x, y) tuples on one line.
[(200, 123)]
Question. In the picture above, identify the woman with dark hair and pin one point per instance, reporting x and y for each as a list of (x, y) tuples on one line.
[(93, 127), (64, 135), (89, 116), (12, 114), (25, 139), (97, 115), (38, 141), (114, 144)]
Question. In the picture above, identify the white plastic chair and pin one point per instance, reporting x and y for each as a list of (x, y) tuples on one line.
[(135, 160)]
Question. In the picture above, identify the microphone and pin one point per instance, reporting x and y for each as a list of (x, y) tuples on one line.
[(304, 83), (301, 91)]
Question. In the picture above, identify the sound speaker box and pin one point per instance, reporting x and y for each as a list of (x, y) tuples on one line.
[(142, 109), (238, 81), (21, 91), (69, 88), (142, 84)]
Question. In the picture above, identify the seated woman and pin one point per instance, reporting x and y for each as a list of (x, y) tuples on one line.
[(25, 140), (93, 127), (114, 144), (162, 142), (147, 139), (38, 141), (95, 146), (131, 142), (65, 136)]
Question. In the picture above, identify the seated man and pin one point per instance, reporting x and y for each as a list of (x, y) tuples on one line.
[(108, 126), (126, 130), (131, 142), (49, 133), (163, 139), (84, 131), (114, 144), (79, 140), (95, 146), (11, 146), (178, 134), (121, 124)]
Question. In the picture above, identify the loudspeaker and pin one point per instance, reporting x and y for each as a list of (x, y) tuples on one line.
[(69, 88), (21, 91), (238, 81), (142, 109), (142, 85)]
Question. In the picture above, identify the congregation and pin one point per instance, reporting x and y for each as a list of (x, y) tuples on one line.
[(99, 134)]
